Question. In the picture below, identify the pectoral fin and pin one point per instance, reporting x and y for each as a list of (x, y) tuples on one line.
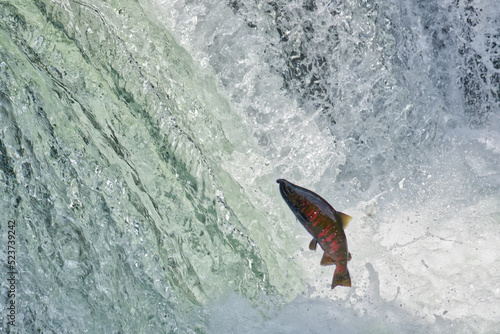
[(313, 244), (326, 260)]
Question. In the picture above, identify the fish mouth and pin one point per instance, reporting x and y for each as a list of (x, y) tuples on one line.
[(282, 181), (285, 188)]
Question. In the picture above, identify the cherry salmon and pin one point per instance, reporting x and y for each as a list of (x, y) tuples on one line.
[(325, 224)]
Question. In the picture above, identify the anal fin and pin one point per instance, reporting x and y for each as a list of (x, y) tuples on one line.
[(326, 260)]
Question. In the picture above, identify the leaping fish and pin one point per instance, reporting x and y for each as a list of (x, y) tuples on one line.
[(325, 225)]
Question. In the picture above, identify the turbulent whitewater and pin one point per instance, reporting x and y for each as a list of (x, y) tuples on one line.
[(140, 142)]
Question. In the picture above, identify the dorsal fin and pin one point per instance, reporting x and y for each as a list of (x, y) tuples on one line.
[(345, 219)]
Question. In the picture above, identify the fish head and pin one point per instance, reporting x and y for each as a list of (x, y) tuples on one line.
[(307, 206), (292, 195)]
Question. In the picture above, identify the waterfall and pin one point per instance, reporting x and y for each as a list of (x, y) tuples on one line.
[(140, 142)]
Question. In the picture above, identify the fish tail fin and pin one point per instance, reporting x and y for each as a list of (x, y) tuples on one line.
[(341, 277)]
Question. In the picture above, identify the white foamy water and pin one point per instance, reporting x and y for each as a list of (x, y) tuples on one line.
[(141, 141)]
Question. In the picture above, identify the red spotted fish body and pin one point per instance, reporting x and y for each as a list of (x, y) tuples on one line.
[(325, 225)]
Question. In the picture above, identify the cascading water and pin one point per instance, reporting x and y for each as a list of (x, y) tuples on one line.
[(140, 143)]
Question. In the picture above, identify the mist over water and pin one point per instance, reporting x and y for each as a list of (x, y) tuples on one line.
[(140, 143)]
